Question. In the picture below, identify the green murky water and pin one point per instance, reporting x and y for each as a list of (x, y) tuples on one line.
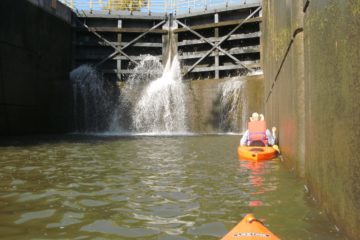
[(189, 187)]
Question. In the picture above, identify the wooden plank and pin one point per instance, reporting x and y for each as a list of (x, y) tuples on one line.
[(124, 71), (224, 68), (102, 43), (251, 64), (96, 57), (197, 69), (122, 30), (233, 51), (220, 24), (139, 57), (217, 39)]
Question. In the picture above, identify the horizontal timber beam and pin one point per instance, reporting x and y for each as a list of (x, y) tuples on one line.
[(122, 30), (94, 57), (220, 24), (217, 39), (251, 64), (102, 43), (224, 68), (233, 51)]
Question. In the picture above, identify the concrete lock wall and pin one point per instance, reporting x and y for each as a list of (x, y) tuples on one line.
[(311, 60), (35, 61), (204, 104)]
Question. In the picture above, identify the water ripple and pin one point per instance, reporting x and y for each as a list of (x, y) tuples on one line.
[(169, 188)]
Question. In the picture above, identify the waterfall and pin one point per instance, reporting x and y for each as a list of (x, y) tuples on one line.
[(148, 69), (153, 100), (161, 107), (233, 105), (92, 103), (153, 96)]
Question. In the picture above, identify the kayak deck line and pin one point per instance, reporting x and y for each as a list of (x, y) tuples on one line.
[(250, 228)]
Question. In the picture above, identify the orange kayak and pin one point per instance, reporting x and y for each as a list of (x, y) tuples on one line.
[(250, 229), (256, 153)]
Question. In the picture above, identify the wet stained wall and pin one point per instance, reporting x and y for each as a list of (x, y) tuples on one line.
[(204, 105), (35, 61), (311, 60)]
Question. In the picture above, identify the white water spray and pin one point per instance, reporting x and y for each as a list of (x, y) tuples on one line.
[(161, 106), (233, 106), (92, 103)]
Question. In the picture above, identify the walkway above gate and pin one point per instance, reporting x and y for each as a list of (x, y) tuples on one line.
[(212, 43)]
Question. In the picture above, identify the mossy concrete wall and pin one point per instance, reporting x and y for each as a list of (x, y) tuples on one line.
[(205, 107), (35, 61), (311, 61)]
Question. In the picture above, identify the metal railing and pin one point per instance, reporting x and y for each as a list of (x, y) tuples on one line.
[(154, 6)]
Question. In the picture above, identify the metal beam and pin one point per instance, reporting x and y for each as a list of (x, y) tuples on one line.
[(222, 68), (220, 24), (122, 30), (221, 41), (143, 34), (217, 39), (233, 51), (214, 45), (118, 50), (129, 43)]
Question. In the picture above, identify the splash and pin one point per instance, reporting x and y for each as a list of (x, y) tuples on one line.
[(92, 103), (148, 69), (161, 106), (233, 106)]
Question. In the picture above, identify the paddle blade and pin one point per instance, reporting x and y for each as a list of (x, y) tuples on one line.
[(276, 147)]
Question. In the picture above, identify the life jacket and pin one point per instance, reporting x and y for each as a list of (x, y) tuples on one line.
[(257, 132)]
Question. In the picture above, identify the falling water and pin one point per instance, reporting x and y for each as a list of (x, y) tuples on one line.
[(152, 100), (148, 69), (92, 103), (161, 106), (153, 97), (233, 105)]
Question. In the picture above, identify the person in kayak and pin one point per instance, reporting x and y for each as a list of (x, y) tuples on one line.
[(257, 133)]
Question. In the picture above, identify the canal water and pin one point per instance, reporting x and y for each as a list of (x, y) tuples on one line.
[(146, 187)]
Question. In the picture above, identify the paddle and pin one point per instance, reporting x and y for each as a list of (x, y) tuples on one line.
[(276, 147)]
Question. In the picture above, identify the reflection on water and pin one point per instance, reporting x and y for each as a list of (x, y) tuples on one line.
[(185, 187)]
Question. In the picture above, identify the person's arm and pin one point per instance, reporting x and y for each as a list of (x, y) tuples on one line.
[(244, 138)]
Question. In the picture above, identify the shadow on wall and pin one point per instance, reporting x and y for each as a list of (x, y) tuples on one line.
[(218, 106)]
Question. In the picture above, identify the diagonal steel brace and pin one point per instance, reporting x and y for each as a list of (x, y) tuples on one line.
[(117, 50), (212, 44), (220, 42)]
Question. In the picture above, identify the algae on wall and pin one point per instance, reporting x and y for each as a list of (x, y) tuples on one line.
[(314, 98)]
